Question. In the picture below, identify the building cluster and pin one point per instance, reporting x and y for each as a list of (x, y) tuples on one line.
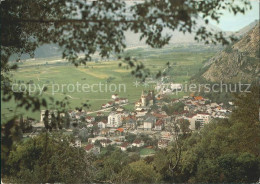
[(114, 101), (148, 119)]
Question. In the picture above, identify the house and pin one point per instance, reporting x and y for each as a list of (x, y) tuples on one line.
[(163, 143), (138, 143), (114, 120), (186, 108), (123, 100), (120, 110), (115, 96), (90, 119), (159, 125), (166, 135), (141, 112), (103, 106), (130, 123), (102, 124), (90, 125), (100, 114), (119, 131), (201, 118), (105, 132), (105, 142), (198, 98), (109, 104), (125, 145), (91, 148), (117, 101), (149, 123), (93, 140), (76, 143)]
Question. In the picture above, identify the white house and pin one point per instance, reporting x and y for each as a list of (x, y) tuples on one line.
[(202, 118), (90, 119), (138, 143), (149, 123), (91, 148), (102, 124), (125, 145), (93, 140), (114, 120), (159, 125), (123, 100), (105, 142), (141, 112), (115, 96), (77, 143), (163, 143)]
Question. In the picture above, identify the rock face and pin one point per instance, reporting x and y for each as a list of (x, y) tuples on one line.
[(238, 62)]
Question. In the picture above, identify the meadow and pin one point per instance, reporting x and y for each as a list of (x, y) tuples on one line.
[(185, 62)]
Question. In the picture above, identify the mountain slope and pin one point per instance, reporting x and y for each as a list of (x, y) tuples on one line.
[(238, 62)]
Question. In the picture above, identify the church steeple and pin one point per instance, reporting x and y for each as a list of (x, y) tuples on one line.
[(143, 99)]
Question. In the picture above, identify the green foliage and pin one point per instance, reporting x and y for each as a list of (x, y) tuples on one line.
[(141, 172), (130, 138), (48, 158), (177, 107)]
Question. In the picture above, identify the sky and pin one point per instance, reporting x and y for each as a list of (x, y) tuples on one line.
[(230, 22)]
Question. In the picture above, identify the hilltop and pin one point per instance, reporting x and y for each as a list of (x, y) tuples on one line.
[(237, 62)]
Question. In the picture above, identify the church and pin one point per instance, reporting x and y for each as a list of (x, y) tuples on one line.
[(146, 100)]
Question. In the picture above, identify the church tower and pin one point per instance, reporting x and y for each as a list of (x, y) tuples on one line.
[(143, 99)]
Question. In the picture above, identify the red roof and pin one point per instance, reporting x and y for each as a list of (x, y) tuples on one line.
[(137, 141), (89, 117), (159, 122), (125, 144), (159, 115), (89, 147), (120, 129), (198, 98)]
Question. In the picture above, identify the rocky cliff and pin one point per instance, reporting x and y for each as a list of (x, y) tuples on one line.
[(237, 62)]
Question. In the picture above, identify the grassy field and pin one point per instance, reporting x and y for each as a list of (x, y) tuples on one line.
[(54, 72), (146, 152)]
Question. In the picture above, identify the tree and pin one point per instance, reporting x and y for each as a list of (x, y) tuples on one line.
[(225, 150), (184, 125), (89, 27), (141, 172), (63, 162), (197, 125), (77, 27), (130, 138)]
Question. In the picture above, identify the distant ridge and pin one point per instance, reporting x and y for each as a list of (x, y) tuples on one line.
[(237, 62)]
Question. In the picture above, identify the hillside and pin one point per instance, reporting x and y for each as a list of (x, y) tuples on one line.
[(237, 62)]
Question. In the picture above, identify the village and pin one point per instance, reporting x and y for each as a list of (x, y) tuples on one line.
[(150, 125)]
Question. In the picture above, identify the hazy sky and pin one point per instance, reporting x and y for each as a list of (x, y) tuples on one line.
[(230, 22)]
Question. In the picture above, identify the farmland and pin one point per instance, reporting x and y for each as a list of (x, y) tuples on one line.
[(53, 73)]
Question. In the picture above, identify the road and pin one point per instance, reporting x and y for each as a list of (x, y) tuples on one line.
[(106, 109)]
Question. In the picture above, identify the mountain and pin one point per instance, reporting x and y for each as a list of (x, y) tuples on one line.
[(44, 51), (132, 39), (246, 29), (237, 62)]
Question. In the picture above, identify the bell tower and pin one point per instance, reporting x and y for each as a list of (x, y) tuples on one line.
[(143, 99)]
